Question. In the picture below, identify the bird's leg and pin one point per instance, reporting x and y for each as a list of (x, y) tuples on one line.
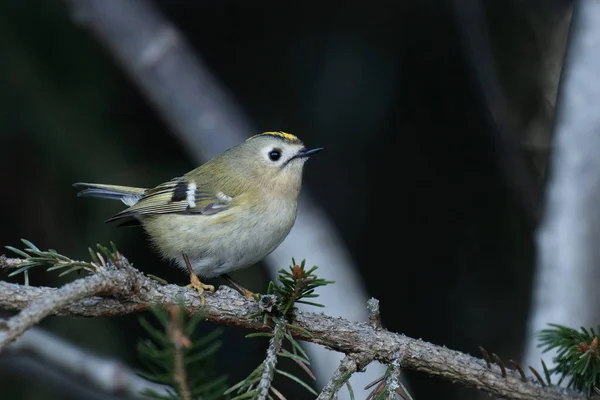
[(238, 288), (195, 281)]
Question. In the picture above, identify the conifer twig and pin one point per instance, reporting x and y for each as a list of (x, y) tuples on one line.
[(108, 281), (393, 382), (180, 341), (174, 355), (270, 362), (348, 366), (227, 307), (374, 315), (10, 263), (390, 384)]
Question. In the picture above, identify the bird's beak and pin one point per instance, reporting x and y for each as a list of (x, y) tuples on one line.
[(304, 153)]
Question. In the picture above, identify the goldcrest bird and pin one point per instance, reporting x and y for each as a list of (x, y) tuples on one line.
[(227, 214)]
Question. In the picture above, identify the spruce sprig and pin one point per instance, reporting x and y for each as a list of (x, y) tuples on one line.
[(34, 257), (174, 356), (259, 384), (277, 308), (577, 355), (387, 386), (295, 285)]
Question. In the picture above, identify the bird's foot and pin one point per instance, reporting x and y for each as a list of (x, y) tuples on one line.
[(200, 287), (195, 281), (251, 295), (240, 289)]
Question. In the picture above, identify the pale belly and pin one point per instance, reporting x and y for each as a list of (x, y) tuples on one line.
[(218, 244)]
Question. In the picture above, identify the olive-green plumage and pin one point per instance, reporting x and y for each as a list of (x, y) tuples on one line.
[(226, 214)]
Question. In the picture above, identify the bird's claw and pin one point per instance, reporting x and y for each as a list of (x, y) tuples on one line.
[(200, 287)]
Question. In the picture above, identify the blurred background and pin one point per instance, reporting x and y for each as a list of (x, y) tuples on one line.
[(436, 117)]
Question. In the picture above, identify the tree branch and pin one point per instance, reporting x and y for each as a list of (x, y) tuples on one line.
[(10, 263), (270, 362), (502, 128), (114, 281), (567, 274), (138, 293), (349, 365), (37, 350)]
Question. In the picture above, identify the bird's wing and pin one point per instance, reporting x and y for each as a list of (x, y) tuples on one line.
[(178, 196)]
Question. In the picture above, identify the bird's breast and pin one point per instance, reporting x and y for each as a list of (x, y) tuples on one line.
[(220, 243)]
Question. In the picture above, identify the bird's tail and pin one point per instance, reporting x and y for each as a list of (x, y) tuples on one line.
[(128, 195)]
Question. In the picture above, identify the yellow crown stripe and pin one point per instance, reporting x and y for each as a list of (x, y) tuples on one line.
[(283, 135)]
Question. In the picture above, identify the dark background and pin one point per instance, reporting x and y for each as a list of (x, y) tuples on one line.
[(435, 197)]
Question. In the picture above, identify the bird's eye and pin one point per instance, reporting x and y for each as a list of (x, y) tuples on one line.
[(275, 154)]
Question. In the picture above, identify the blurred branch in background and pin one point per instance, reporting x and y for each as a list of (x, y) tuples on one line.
[(568, 266), (518, 173), (206, 119), (58, 362)]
